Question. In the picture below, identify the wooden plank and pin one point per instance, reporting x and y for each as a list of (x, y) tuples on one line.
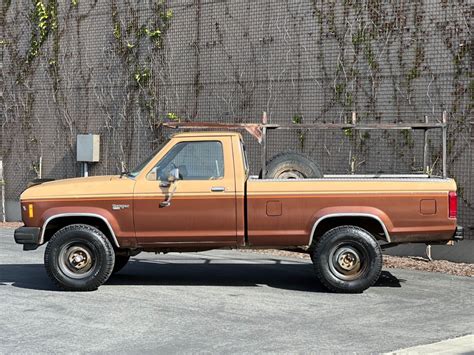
[(263, 158), (205, 125), (445, 142), (264, 145), (373, 126), (425, 149)]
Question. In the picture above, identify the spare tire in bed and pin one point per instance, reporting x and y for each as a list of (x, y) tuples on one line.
[(292, 165)]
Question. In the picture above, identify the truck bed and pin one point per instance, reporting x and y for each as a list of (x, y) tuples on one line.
[(408, 208)]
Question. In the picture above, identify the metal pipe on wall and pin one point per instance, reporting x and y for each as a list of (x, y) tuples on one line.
[(2, 184)]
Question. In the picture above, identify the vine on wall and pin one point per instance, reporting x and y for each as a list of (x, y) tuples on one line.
[(371, 57), (139, 43)]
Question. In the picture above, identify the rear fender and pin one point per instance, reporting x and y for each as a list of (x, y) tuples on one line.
[(351, 211)]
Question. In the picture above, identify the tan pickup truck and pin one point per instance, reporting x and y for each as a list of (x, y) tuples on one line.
[(196, 194)]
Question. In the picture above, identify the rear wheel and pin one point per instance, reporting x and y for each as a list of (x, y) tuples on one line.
[(347, 259), (79, 257)]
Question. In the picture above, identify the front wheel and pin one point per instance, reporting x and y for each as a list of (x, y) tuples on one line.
[(347, 259), (79, 257)]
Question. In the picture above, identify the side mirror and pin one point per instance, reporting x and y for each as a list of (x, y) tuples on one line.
[(173, 175)]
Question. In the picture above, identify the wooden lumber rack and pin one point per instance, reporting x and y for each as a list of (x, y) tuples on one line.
[(260, 131)]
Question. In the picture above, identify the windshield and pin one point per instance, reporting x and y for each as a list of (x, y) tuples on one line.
[(134, 173)]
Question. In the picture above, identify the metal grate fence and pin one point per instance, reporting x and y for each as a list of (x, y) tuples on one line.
[(120, 68)]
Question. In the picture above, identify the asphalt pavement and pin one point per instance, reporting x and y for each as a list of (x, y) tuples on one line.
[(223, 302)]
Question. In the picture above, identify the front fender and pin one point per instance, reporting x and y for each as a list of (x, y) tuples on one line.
[(106, 216)]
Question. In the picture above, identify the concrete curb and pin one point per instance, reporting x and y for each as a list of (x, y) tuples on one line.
[(461, 252)]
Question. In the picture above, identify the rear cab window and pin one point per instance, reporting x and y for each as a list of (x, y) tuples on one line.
[(244, 157)]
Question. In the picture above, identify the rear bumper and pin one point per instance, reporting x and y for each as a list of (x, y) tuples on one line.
[(28, 236), (459, 233)]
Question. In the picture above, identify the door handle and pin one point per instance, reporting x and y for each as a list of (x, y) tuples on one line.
[(217, 189)]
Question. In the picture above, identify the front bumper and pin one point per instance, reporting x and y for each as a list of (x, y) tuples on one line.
[(28, 236), (459, 233)]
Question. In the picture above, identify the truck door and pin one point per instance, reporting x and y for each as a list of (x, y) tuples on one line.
[(202, 209)]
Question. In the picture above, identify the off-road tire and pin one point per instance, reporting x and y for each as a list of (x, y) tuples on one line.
[(344, 240), (120, 262), (94, 243), (292, 165)]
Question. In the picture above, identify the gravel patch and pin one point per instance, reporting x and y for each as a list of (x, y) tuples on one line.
[(391, 262), (423, 264)]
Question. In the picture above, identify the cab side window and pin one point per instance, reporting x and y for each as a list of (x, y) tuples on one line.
[(195, 161)]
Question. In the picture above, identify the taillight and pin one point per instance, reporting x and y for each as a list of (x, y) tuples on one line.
[(453, 204)]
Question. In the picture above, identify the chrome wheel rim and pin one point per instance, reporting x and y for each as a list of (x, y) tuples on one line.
[(347, 261), (76, 260)]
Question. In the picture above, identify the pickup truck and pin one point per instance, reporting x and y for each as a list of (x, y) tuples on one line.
[(195, 194)]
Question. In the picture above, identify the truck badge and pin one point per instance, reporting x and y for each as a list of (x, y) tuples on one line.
[(119, 207)]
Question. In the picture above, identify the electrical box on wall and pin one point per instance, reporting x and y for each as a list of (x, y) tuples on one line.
[(88, 147)]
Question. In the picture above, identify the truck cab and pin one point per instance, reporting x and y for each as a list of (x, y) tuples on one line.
[(206, 207)]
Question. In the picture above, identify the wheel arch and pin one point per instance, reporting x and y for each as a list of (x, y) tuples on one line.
[(57, 221), (368, 221)]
